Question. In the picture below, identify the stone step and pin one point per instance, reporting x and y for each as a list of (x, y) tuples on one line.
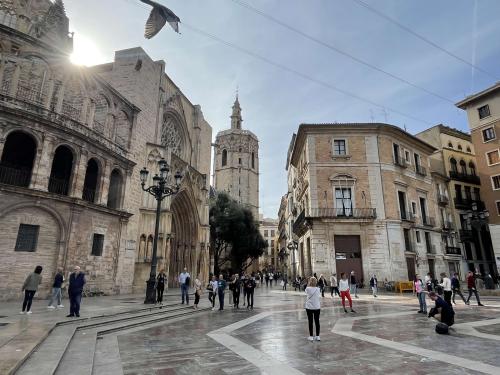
[(46, 358), (78, 358)]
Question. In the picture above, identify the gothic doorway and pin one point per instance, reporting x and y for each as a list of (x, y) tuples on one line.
[(184, 244)]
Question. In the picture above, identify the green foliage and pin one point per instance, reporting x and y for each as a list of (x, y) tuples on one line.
[(234, 235)]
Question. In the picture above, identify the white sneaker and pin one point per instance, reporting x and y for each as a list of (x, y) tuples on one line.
[(50, 307), (28, 312), (213, 308), (310, 338), (22, 313), (60, 305), (317, 338)]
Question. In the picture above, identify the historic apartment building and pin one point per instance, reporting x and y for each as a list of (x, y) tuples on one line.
[(454, 169), (269, 230), (483, 114), (72, 142), (362, 198), (236, 162)]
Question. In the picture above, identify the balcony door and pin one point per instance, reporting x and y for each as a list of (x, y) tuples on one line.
[(343, 201), (402, 204), (423, 210)]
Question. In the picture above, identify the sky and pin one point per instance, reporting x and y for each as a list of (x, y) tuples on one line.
[(297, 80)]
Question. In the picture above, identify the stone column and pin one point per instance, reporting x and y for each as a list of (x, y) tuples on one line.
[(104, 184), (15, 81), (78, 174), (43, 164)]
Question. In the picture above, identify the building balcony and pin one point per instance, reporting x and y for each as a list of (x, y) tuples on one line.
[(466, 204), (431, 249), (465, 177), (342, 213), (14, 176), (410, 247), (301, 224), (447, 225), (443, 200), (466, 235), (428, 221), (420, 170), (407, 216), (452, 250), (400, 162)]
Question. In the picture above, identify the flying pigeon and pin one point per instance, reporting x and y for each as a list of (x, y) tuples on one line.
[(157, 19)]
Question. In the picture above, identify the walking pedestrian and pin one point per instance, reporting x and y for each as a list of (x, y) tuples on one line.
[(455, 286), (242, 284), (313, 307), (354, 285), (333, 285), (446, 285), (344, 291), (221, 287), (30, 286), (230, 289), (374, 285), (212, 290), (284, 282), (267, 279), (271, 277), (160, 286), (321, 285), (75, 290), (56, 290), (418, 289), (236, 291), (250, 288), (471, 285), (184, 281), (197, 293)]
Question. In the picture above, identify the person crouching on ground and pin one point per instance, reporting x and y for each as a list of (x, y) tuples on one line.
[(313, 307), (75, 290), (344, 291), (30, 287), (442, 311)]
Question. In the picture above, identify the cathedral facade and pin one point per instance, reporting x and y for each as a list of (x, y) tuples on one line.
[(72, 142), (236, 162)]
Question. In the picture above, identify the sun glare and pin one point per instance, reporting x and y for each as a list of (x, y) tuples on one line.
[(85, 52)]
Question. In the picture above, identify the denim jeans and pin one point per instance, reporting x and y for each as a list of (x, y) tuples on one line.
[(354, 289), (421, 301), (185, 293), (56, 295)]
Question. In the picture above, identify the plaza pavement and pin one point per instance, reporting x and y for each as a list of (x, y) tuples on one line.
[(385, 336)]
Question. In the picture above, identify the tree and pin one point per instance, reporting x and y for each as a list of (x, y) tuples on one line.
[(234, 235)]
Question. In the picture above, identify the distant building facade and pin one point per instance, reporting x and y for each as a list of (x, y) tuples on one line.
[(458, 185), (362, 198), (72, 142), (269, 230), (483, 114), (236, 163)]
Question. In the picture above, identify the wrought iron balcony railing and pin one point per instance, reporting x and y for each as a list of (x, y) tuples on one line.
[(465, 234), (89, 195), (447, 225), (443, 199), (58, 186), (431, 249), (465, 177), (14, 176), (407, 216), (420, 170), (400, 162), (452, 250), (428, 221), (343, 213), (466, 203)]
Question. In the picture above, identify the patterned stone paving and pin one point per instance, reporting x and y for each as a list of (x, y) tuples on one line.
[(185, 348)]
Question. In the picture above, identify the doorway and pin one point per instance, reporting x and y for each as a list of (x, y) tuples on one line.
[(410, 265), (348, 256)]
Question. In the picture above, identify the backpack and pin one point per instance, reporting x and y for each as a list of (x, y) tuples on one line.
[(442, 329), (188, 280)]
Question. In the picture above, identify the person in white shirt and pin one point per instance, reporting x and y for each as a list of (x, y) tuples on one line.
[(184, 280), (428, 282), (344, 291), (333, 285), (446, 284), (212, 289), (313, 307)]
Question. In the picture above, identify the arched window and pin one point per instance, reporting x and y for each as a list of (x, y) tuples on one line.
[(463, 167), (450, 145), (224, 158), (459, 147), (453, 165), (253, 160), (239, 150), (73, 105), (149, 249), (122, 129), (141, 254), (60, 174), (101, 113), (472, 168), (468, 149), (17, 159), (115, 189), (90, 183)]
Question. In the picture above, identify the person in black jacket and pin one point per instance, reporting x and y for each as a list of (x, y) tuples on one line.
[(75, 290), (160, 286), (455, 287), (236, 291), (442, 311), (56, 290), (250, 287)]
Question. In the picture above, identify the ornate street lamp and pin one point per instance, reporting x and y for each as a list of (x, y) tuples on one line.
[(159, 190)]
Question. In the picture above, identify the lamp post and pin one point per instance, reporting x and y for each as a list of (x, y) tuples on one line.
[(160, 190)]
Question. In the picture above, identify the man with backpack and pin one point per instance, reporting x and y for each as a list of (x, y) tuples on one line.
[(184, 281)]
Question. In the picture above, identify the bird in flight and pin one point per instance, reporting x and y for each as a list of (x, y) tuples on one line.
[(158, 17)]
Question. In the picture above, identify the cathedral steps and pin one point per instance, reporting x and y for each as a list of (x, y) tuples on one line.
[(70, 347)]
